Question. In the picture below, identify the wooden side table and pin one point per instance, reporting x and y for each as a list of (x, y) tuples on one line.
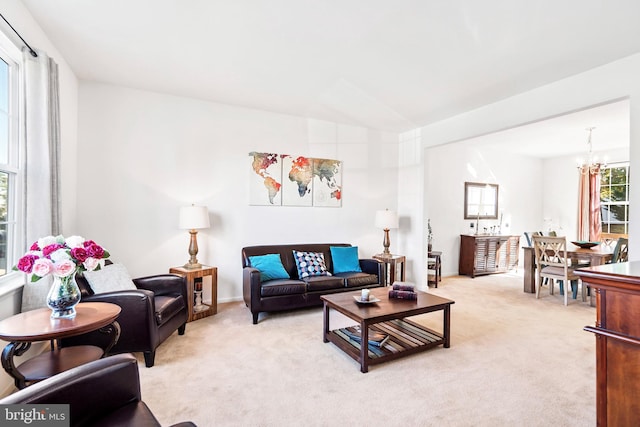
[(434, 263), (391, 262), (195, 286), (32, 326)]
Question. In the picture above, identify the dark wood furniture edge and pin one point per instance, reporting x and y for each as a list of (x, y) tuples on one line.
[(612, 334)]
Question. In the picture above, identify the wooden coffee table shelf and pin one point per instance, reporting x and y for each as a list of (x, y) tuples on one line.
[(389, 316), (406, 337)]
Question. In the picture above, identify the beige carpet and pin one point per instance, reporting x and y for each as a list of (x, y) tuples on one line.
[(513, 361)]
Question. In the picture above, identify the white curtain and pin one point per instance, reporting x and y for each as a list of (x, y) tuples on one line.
[(41, 161), (42, 146)]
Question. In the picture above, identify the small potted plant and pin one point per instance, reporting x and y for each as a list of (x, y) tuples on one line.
[(429, 235)]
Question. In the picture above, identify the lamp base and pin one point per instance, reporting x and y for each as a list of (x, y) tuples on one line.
[(386, 243), (192, 266), (193, 263)]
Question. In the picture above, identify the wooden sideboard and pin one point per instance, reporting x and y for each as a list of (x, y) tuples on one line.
[(617, 331), (486, 254)]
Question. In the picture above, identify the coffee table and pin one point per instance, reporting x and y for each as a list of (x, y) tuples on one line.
[(388, 316)]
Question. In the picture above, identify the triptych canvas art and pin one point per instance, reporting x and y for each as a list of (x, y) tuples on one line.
[(285, 180)]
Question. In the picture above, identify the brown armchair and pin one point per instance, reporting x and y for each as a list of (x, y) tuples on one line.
[(105, 392), (150, 314)]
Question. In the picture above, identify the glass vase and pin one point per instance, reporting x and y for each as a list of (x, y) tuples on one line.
[(63, 297)]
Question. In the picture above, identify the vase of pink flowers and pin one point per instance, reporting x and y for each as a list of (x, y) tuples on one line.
[(63, 297), (62, 258)]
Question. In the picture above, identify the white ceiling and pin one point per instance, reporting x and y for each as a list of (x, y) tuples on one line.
[(390, 65), (566, 134)]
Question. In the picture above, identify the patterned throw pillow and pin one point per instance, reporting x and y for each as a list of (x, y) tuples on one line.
[(310, 264)]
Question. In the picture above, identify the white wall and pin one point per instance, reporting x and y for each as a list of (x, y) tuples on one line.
[(410, 194), (614, 81), (143, 155), (448, 167)]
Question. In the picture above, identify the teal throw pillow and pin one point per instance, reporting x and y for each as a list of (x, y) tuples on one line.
[(270, 267), (345, 259)]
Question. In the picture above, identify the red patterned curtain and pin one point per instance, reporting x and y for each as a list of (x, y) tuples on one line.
[(589, 224)]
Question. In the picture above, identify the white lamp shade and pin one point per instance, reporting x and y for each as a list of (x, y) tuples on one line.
[(194, 217), (386, 219)]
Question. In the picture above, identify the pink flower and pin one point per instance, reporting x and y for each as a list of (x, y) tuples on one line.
[(91, 263), (94, 250), (61, 257), (26, 263), (42, 267), (64, 268), (80, 254), (47, 250)]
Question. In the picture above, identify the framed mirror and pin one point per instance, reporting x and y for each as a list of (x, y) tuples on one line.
[(480, 200)]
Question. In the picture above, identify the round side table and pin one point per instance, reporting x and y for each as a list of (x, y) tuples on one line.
[(23, 329)]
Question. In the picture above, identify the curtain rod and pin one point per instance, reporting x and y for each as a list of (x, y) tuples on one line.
[(33, 52)]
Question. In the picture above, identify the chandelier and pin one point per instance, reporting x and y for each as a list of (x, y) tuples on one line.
[(591, 165)]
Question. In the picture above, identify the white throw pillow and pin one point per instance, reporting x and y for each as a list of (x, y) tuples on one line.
[(114, 277)]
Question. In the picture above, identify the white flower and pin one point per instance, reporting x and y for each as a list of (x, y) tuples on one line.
[(74, 242), (60, 255), (46, 241)]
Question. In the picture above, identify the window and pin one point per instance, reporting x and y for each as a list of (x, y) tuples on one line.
[(10, 140), (614, 198)]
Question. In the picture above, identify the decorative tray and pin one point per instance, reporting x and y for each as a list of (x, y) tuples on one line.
[(371, 300), (585, 245)]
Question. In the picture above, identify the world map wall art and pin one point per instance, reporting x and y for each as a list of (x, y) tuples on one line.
[(284, 180)]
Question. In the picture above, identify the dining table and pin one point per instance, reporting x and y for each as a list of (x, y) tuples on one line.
[(597, 255)]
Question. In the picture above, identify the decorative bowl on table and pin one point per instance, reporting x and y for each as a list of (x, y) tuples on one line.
[(585, 245)]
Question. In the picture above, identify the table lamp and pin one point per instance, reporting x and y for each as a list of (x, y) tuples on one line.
[(386, 220), (193, 218)]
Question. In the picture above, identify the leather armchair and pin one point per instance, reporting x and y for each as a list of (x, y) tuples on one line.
[(105, 392), (150, 314)]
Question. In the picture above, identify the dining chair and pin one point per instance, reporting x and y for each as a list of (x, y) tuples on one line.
[(528, 234), (552, 263), (620, 252)]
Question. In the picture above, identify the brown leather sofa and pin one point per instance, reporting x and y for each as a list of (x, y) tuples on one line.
[(105, 392), (287, 294), (150, 314)]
